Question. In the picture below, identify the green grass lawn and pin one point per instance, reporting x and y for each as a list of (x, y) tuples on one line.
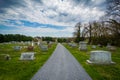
[(16, 69), (98, 72)]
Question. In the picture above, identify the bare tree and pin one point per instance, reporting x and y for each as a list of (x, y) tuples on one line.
[(77, 32)]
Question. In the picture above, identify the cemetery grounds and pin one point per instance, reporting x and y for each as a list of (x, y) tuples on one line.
[(98, 72), (16, 69)]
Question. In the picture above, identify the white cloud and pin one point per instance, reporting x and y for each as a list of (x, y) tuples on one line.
[(49, 12)]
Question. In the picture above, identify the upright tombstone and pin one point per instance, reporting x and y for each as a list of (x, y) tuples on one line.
[(69, 44), (111, 48), (108, 45), (27, 56), (93, 47), (44, 47), (100, 57), (32, 44), (99, 45), (38, 43), (83, 46), (30, 48), (73, 45), (25, 46), (17, 48), (5, 57)]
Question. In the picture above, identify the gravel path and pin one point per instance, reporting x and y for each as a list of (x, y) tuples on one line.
[(61, 66)]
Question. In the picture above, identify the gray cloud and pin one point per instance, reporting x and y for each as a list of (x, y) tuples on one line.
[(10, 3), (54, 12)]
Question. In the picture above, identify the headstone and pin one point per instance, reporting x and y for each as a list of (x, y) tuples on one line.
[(100, 57), (43, 47), (69, 44), (93, 47), (38, 43), (17, 48), (112, 48), (30, 48), (27, 43), (83, 46), (49, 45), (5, 57), (25, 46), (73, 45), (108, 45), (99, 45), (27, 56), (32, 44)]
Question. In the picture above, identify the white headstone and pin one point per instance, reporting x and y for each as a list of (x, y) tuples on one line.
[(17, 48), (108, 45), (44, 47), (93, 47), (25, 46), (27, 56), (32, 43), (83, 45), (100, 57), (38, 43), (73, 45)]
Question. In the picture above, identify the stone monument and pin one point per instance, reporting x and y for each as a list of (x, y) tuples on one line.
[(100, 57), (43, 47), (30, 48), (73, 45), (32, 44), (17, 48), (5, 57), (27, 56), (83, 46), (93, 47)]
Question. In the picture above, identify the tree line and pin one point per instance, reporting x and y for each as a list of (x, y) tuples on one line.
[(106, 30), (14, 37)]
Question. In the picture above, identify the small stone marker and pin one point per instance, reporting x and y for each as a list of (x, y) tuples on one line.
[(100, 57), (32, 44), (83, 46), (111, 48), (73, 45), (108, 45), (5, 57), (27, 56), (17, 48), (43, 47), (25, 46), (30, 48), (38, 43), (99, 45), (93, 47), (69, 44)]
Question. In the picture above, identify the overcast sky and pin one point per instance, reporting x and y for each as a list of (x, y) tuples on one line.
[(47, 17)]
